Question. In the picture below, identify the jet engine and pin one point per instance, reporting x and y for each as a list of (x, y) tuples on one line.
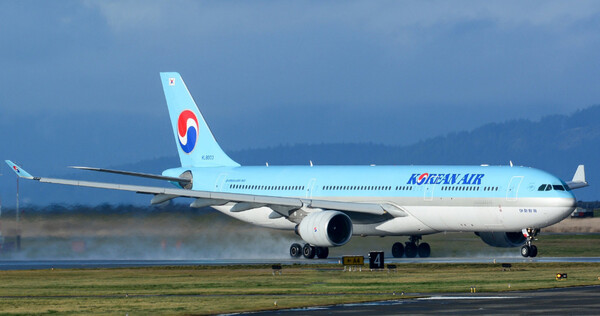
[(325, 229), (501, 239)]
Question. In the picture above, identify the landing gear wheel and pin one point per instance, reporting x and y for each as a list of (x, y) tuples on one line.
[(532, 251), (529, 250), (424, 250), (410, 250), (308, 251), (322, 252), (295, 250), (525, 251), (397, 250)]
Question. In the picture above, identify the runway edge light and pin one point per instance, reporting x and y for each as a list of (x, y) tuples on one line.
[(561, 276)]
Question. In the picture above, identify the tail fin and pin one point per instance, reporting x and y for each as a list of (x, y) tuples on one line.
[(196, 144)]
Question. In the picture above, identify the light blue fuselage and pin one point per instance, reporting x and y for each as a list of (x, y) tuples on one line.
[(441, 198)]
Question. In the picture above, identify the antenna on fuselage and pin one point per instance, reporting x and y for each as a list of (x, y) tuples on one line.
[(311, 164), (511, 164)]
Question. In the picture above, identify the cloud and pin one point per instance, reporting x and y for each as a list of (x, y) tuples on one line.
[(266, 73), (380, 16), (131, 15)]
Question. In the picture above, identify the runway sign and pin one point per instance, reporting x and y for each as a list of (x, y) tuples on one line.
[(353, 260), (376, 260)]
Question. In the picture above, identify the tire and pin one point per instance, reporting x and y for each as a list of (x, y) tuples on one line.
[(534, 251), (397, 250), (424, 250), (525, 250), (308, 251), (322, 252), (410, 250), (295, 250)]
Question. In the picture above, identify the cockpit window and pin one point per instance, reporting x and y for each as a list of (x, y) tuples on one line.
[(558, 187)]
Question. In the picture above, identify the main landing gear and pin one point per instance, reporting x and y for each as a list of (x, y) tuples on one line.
[(308, 251), (529, 250), (411, 248)]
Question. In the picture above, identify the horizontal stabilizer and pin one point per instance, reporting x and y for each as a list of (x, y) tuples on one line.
[(136, 174), (578, 179)]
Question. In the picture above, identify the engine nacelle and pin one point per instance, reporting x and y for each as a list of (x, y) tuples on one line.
[(501, 239), (325, 228)]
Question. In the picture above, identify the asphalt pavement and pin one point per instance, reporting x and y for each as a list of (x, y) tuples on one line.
[(565, 301)]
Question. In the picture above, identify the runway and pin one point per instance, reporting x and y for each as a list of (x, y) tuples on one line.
[(100, 264), (564, 301)]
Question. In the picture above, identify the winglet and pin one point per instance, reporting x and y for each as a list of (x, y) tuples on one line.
[(578, 179), (18, 170)]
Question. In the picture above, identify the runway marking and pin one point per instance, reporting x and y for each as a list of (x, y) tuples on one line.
[(94, 264), (463, 297)]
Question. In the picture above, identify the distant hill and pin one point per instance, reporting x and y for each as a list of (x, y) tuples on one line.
[(556, 143)]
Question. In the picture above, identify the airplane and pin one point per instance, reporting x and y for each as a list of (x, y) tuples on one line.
[(506, 206)]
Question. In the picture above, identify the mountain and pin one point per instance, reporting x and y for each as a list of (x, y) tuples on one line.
[(556, 143)]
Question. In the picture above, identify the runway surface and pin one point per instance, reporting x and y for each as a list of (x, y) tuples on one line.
[(95, 264), (565, 301)]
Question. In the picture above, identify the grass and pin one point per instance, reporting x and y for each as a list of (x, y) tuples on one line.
[(207, 290), (469, 245), (568, 245)]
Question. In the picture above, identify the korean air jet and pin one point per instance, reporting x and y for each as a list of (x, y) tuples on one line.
[(325, 206)]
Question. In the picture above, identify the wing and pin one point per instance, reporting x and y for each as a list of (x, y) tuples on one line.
[(281, 206)]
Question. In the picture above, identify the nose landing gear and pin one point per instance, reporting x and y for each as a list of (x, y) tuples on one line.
[(529, 250)]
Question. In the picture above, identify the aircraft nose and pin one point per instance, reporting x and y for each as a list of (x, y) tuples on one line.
[(570, 203), (571, 196)]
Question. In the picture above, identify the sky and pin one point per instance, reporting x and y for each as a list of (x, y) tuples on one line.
[(80, 82)]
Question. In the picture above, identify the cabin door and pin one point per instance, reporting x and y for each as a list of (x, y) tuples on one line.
[(310, 187), (220, 183), (513, 188)]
